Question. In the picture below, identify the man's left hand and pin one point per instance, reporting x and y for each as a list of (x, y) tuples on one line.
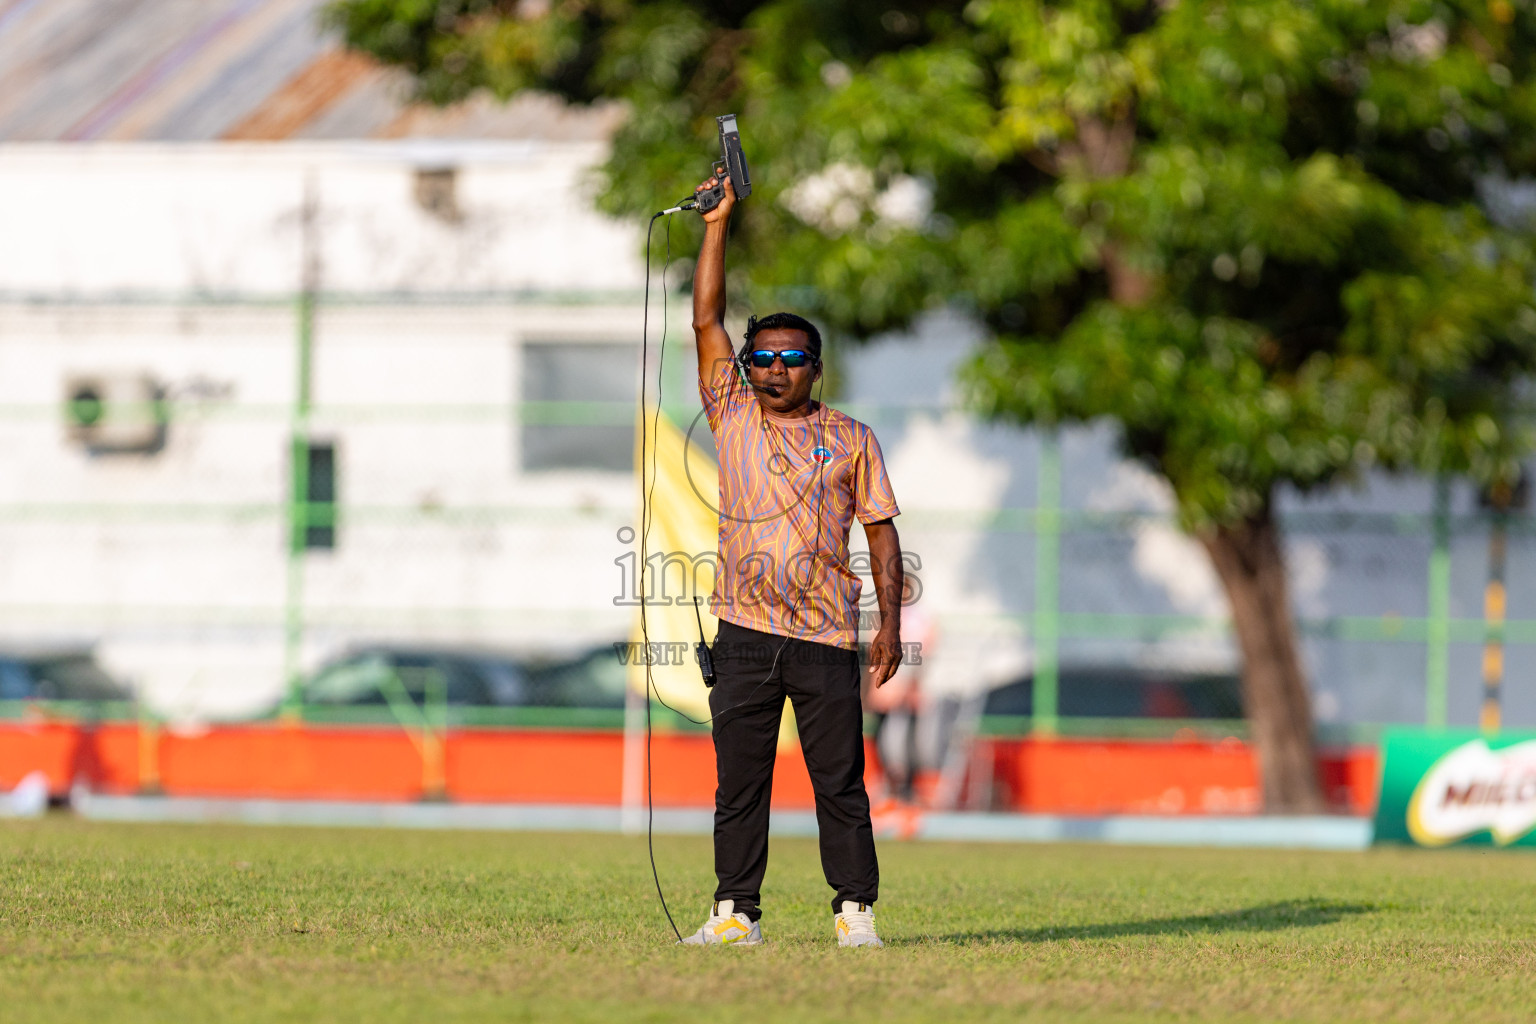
[(884, 656)]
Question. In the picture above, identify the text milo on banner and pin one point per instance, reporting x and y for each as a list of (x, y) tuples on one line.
[(1457, 787)]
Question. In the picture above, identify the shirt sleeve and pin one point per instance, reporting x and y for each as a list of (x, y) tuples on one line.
[(873, 499), (723, 394)]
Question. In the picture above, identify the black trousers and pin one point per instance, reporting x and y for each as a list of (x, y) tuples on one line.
[(747, 702)]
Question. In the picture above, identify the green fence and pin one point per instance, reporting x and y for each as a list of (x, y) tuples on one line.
[(1056, 556)]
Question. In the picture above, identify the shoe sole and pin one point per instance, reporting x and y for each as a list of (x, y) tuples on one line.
[(701, 945), (737, 942)]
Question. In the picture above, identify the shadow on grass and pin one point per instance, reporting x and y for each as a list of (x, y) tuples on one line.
[(1266, 917)]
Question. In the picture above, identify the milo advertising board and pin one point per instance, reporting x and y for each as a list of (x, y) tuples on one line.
[(1457, 787)]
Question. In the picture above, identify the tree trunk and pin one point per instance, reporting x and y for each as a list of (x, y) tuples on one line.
[(1249, 561), (1247, 555), (1102, 149), (1128, 287)]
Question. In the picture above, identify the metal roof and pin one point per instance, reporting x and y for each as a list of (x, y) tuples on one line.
[(184, 70)]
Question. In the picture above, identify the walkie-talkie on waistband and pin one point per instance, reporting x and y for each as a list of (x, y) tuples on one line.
[(701, 649)]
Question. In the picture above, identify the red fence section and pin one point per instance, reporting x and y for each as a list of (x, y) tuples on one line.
[(1027, 774), (1087, 776)]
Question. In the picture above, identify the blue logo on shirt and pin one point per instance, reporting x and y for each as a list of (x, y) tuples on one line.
[(822, 455)]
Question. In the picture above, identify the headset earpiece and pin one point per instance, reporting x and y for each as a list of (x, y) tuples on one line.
[(744, 357)]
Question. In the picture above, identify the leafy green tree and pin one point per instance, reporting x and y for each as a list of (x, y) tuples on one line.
[(1247, 233)]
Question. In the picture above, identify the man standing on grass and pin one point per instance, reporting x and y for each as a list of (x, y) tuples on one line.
[(793, 475)]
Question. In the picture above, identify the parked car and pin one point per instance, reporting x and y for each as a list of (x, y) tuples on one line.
[(64, 676), (1126, 692), (593, 678)]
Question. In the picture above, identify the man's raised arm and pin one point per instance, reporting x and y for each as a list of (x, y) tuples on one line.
[(709, 288)]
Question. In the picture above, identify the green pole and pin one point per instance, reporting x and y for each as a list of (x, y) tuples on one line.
[(1438, 640), (1047, 582), (293, 598), (298, 457)]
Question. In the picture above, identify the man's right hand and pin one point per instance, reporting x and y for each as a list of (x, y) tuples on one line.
[(722, 212)]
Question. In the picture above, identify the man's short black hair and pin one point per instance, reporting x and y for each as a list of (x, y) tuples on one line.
[(786, 322)]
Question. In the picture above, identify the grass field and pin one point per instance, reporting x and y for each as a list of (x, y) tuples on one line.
[(202, 923)]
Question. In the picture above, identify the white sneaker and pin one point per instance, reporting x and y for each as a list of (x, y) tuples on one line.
[(855, 926), (725, 927)]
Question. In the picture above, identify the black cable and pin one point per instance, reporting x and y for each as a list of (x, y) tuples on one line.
[(645, 525)]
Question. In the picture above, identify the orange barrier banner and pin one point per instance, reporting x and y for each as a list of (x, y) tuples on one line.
[(52, 748), (371, 763), (1076, 776)]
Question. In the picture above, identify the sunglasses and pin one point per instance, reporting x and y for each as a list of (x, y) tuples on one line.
[(792, 357)]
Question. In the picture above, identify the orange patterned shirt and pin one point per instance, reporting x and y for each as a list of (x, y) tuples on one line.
[(789, 489)]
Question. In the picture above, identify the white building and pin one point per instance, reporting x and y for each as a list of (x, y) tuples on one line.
[(181, 266)]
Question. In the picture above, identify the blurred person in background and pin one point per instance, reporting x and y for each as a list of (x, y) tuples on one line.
[(896, 707)]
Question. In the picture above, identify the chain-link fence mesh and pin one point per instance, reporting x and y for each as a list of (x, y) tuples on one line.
[(293, 483)]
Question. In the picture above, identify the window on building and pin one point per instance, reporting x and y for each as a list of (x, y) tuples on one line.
[(314, 511), (437, 192), (578, 406)]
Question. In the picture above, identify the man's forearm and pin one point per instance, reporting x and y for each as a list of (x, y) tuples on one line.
[(709, 279), (709, 287), (889, 573)]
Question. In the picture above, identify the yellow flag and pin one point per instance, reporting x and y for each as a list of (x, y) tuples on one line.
[(683, 486)]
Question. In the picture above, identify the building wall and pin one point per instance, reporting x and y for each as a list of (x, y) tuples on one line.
[(229, 219), (183, 263), (175, 561)]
